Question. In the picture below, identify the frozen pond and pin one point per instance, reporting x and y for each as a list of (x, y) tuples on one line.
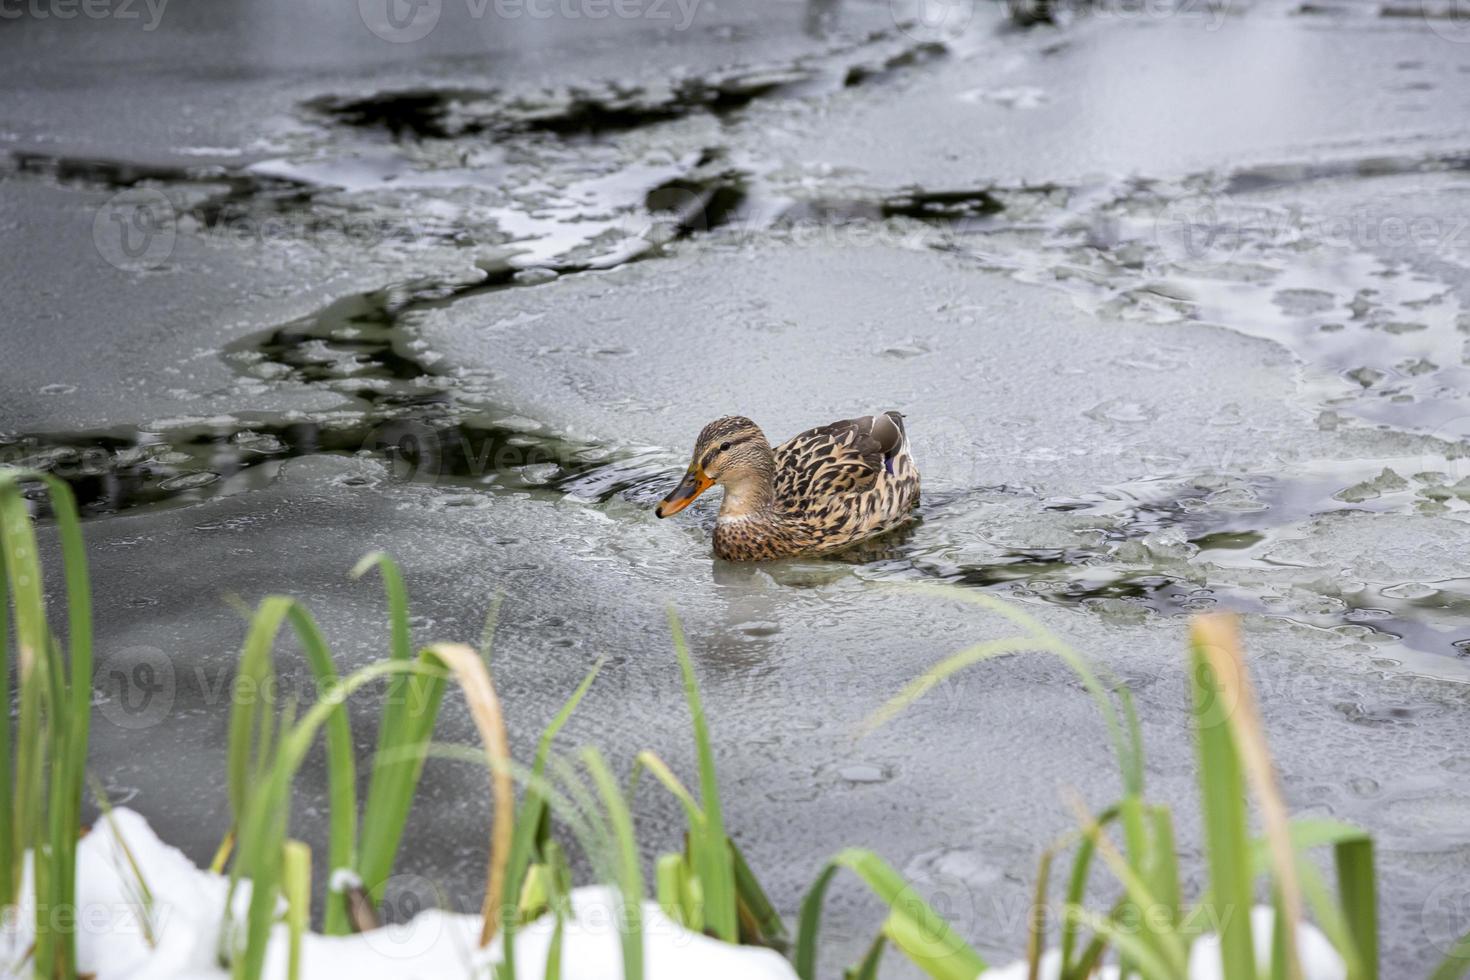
[(1176, 303)]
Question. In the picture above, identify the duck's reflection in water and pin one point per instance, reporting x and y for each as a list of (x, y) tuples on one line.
[(756, 593)]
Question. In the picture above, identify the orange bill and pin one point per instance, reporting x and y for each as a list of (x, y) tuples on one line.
[(695, 482)]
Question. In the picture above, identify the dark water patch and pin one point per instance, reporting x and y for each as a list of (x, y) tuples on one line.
[(948, 208), (1034, 13), (941, 206), (228, 188), (359, 343), (114, 469), (420, 113), (1273, 176), (1424, 11), (231, 202), (617, 108), (921, 54), (118, 469), (115, 174), (611, 107), (428, 424), (112, 174), (450, 113), (1228, 540), (699, 204)]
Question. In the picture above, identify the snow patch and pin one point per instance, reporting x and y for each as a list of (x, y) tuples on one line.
[(177, 935)]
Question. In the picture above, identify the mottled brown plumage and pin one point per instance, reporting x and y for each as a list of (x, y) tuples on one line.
[(822, 490)]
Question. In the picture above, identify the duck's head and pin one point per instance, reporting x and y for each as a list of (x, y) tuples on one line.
[(732, 452)]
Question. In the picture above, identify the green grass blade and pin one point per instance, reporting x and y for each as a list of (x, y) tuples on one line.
[(400, 645), (577, 807), (55, 952), (47, 760), (630, 876), (1279, 964), (910, 937), (397, 767), (1167, 947), (1330, 918), (535, 893), (68, 772), (668, 872), (531, 815), (263, 826), (770, 930), (23, 566), (296, 883), (248, 707), (1354, 934), (1036, 921), (1135, 838), (661, 771), (262, 835), (1163, 864), (560, 878), (1222, 792), (1456, 965), (691, 900), (553, 951), (385, 812), (710, 848), (945, 956), (1358, 891), (1132, 763), (1077, 887), (867, 967), (1217, 638), (9, 859), (529, 819), (1088, 962), (250, 738), (341, 769), (1129, 945)]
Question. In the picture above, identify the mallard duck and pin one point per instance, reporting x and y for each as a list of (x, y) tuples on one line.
[(819, 491)]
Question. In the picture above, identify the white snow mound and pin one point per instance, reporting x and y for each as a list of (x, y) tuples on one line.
[(178, 939)]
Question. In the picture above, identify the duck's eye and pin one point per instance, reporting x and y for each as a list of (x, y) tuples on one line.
[(724, 446)]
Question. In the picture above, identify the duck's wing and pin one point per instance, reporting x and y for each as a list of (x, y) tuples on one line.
[(841, 458)]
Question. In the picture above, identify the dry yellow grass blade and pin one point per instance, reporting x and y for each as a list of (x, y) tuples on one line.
[(469, 670), (1218, 637)]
